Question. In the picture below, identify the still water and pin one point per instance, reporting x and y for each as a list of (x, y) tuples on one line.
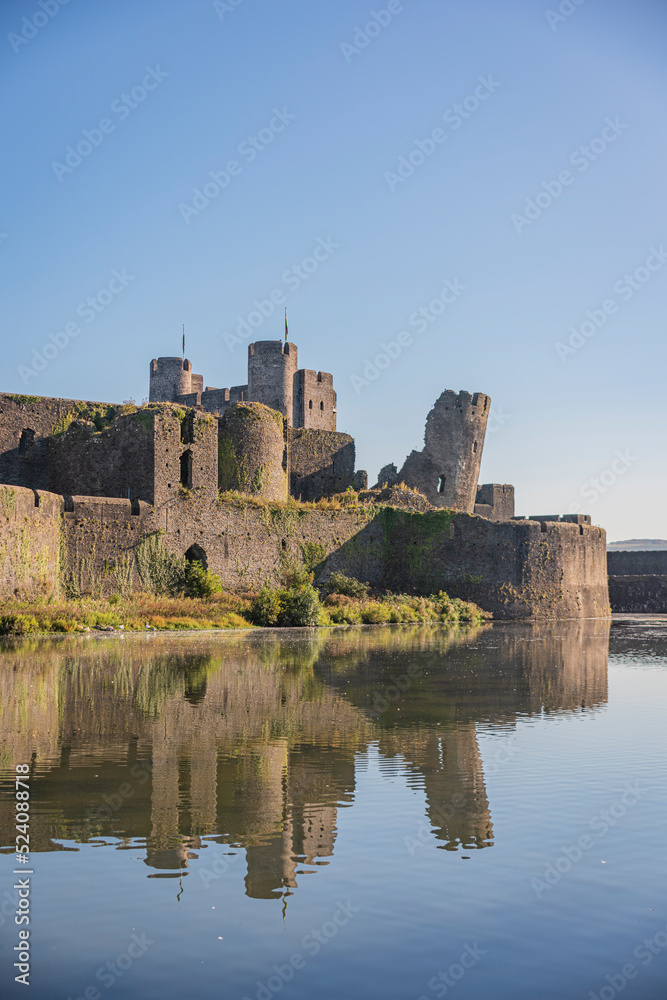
[(401, 813)]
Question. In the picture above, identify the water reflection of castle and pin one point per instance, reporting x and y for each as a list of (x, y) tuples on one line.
[(253, 742)]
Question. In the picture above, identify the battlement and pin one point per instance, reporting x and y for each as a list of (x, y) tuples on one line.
[(495, 502)]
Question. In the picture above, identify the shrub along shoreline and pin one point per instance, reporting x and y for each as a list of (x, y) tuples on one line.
[(201, 603)]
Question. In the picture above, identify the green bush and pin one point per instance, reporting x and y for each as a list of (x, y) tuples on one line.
[(375, 614), (300, 606), (338, 583), (198, 582), (63, 625), (266, 607), (18, 624), (286, 606), (346, 615)]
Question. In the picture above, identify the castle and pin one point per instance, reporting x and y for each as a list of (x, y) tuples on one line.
[(85, 481)]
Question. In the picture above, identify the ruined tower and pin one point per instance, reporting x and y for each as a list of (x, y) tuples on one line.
[(271, 370), (252, 451), (447, 470)]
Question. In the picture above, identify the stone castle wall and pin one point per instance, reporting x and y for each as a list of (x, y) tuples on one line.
[(637, 563), (321, 463), (95, 463), (30, 522), (520, 569), (638, 582), (26, 425)]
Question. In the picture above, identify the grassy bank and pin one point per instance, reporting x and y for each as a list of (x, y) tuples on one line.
[(342, 601)]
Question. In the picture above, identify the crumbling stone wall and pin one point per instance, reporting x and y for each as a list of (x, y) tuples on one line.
[(321, 463), (26, 425), (115, 462)]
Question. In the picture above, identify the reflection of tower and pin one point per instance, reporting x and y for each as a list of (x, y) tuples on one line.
[(313, 781), (456, 802), (455, 792), (161, 848)]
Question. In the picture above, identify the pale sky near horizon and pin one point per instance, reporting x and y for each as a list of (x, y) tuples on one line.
[(475, 187)]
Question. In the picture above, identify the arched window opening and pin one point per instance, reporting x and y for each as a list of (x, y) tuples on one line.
[(186, 470), (310, 404), (474, 448), (319, 376), (197, 554), (441, 484), (322, 405)]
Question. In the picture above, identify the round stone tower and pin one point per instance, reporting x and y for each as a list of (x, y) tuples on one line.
[(169, 378), (447, 470), (271, 369), (252, 451)]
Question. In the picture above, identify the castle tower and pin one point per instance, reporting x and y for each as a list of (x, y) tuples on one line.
[(447, 470), (252, 451), (271, 370), (171, 378)]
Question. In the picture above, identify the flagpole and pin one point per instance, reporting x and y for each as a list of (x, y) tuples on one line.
[(184, 341)]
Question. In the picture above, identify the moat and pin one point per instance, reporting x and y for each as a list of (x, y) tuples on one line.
[(397, 812)]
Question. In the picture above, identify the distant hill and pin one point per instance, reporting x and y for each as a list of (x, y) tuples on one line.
[(638, 545)]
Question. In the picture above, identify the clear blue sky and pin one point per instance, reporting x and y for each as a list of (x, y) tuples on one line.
[(359, 102)]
